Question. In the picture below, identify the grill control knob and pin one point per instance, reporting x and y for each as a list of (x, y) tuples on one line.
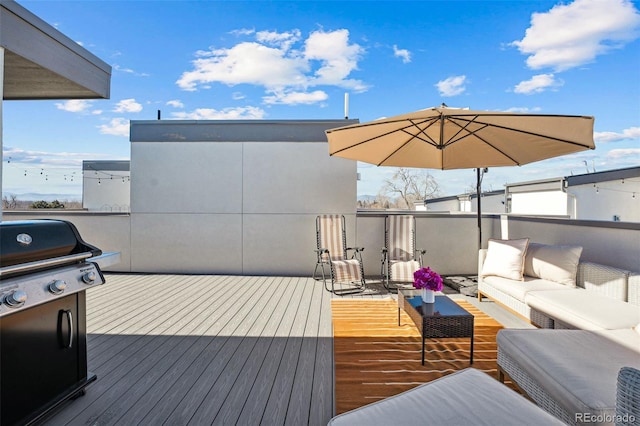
[(57, 286), (89, 277), (16, 298)]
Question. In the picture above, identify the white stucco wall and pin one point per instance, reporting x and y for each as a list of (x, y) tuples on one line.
[(609, 200), (234, 207), (101, 192), (540, 203)]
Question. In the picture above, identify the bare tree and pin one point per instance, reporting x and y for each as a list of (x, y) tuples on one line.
[(10, 201), (410, 185)]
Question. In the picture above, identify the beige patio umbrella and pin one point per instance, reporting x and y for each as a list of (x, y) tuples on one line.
[(453, 138)]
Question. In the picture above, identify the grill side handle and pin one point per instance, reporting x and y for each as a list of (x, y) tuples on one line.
[(41, 264)]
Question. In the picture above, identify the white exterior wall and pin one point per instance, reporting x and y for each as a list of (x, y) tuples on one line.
[(491, 203), (540, 203), (611, 199), (450, 240), (106, 194), (604, 244), (449, 205), (234, 207)]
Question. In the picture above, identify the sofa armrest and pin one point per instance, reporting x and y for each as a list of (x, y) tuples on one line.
[(605, 280), (482, 255)]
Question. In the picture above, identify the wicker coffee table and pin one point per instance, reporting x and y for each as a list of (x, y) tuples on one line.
[(442, 319)]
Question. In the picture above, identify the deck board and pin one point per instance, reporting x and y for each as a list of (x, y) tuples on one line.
[(196, 349), (206, 349)]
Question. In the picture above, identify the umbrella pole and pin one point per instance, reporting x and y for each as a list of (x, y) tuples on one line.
[(479, 192)]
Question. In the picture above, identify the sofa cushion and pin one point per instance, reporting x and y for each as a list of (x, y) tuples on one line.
[(518, 289), (576, 368), (451, 400), (584, 309), (553, 263), (505, 258)]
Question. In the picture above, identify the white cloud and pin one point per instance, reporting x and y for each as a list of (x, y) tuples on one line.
[(282, 40), (117, 67), (175, 103), (630, 133), (296, 98), (116, 127), (624, 153), (224, 114), (74, 105), (404, 54), (324, 58), (570, 35), (523, 110), (243, 32), (537, 84), (452, 86), (45, 158), (247, 62), (128, 105), (338, 59), (236, 96)]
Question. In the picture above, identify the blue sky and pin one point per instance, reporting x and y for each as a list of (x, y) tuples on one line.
[(296, 60)]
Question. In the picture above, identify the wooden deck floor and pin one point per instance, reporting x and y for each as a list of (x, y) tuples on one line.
[(183, 350), (200, 349)]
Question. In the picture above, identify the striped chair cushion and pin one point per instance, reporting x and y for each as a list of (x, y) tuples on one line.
[(403, 271), (347, 270), (331, 237), (400, 238)]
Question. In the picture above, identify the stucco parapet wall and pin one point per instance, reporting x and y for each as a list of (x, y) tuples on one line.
[(635, 226), (233, 130), (111, 165)]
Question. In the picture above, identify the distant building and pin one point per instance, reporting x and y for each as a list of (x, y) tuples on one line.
[(612, 195), (492, 202), (106, 186)]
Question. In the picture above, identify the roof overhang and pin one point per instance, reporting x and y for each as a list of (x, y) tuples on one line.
[(42, 63)]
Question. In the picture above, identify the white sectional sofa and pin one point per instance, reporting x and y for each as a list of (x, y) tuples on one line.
[(570, 373), (599, 297)]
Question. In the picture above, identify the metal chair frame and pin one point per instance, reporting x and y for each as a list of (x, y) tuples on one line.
[(385, 267), (323, 261)]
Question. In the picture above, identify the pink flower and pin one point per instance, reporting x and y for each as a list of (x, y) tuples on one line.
[(427, 278)]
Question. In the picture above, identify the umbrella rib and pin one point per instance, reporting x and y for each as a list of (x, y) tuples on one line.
[(511, 129), (485, 125), (474, 133), (430, 141), (413, 124)]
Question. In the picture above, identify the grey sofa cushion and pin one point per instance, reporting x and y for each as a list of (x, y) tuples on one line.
[(519, 289), (577, 368), (467, 397), (584, 309)]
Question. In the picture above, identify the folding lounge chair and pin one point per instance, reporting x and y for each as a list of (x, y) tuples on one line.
[(400, 258), (333, 253)]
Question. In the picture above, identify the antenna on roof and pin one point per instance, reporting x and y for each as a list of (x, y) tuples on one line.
[(158, 114), (346, 106)]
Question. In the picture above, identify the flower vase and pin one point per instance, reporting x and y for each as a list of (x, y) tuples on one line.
[(428, 296)]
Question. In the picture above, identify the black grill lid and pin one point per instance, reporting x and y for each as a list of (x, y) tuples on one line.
[(35, 240)]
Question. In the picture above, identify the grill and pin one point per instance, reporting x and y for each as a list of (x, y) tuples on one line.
[(45, 269)]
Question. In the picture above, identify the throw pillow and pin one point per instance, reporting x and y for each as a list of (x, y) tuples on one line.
[(553, 263), (505, 258)]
